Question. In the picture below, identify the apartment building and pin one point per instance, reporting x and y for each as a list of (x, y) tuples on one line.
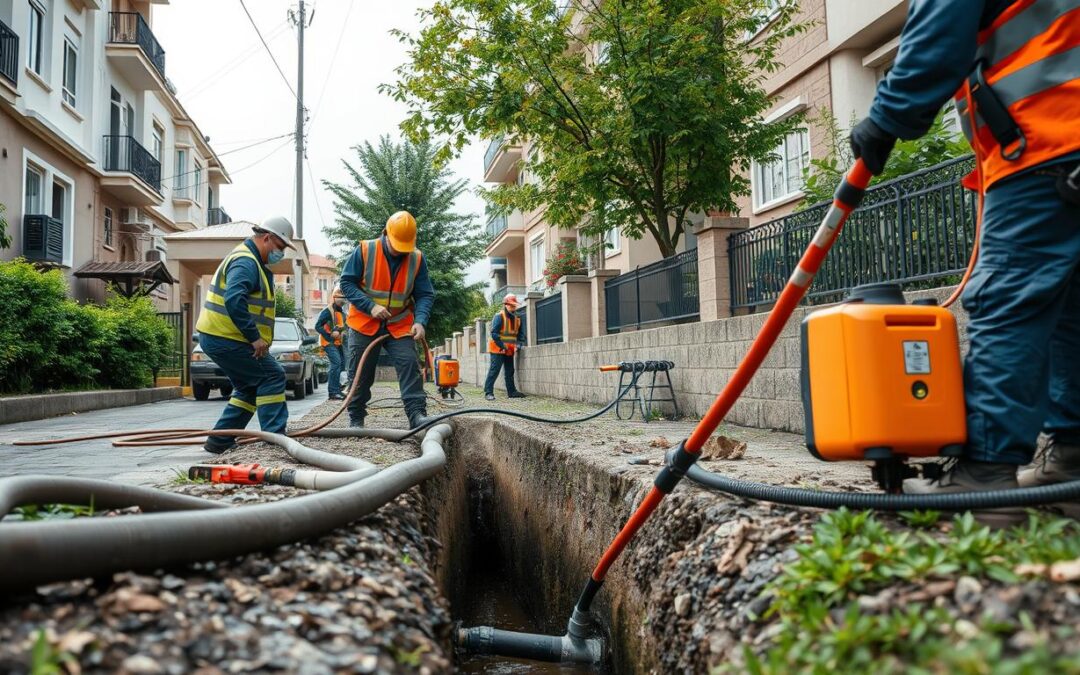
[(833, 67), (99, 161)]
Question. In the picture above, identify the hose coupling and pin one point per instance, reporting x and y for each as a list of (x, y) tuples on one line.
[(678, 462)]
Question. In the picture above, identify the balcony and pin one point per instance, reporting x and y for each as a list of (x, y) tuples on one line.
[(9, 55), (500, 293), (133, 174), (507, 233), (43, 239), (501, 161), (136, 52), (217, 216)]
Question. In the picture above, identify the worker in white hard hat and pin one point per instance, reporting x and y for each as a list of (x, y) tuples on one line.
[(507, 334), (236, 327)]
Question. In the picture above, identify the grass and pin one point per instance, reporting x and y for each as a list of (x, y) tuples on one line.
[(48, 660), (53, 511), (823, 629), (180, 477)]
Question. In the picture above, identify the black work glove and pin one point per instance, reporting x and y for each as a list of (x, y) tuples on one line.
[(872, 144)]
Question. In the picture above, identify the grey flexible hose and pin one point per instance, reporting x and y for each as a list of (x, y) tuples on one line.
[(101, 494), (36, 553)]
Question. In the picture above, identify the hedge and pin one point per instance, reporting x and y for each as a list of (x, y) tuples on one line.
[(49, 341)]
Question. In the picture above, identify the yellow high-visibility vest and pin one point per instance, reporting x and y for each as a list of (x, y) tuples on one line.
[(214, 318)]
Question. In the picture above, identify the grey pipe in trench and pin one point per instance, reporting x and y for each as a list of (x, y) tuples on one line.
[(37, 553)]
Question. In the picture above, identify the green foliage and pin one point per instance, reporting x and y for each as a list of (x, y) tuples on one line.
[(922, 519), (393, 177), (663, 121), (567, 259), (824, 630), (52, 342), (53, 511), (5, 238), (285, 306), (822, 178), (482, 309), (48, 660)]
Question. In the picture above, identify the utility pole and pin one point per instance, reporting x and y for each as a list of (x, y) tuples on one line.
[(298, 273)]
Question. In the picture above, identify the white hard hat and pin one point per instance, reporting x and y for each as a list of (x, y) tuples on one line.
[(279, 226)]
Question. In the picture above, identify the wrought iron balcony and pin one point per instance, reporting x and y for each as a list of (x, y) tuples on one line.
[(217, 216), (124, 153), (9, 54), (131, 29)]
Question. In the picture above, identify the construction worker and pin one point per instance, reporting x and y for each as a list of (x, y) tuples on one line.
[(506, 334), (1017, 66), (236, 328), (386, 283), (330, 325)]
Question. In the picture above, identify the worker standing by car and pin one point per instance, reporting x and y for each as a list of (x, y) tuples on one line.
[(1017, 64), (236, 327), (507, 332), (386, 283), (331, 329)]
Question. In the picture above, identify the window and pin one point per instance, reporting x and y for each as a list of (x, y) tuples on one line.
[(322, 285), (59, 200), (35, 38), (181, 173), (537, 258), (157, 142), (35, 194), (71, 72), (612, 241), (782, 177), (197, 182), (108, 226)]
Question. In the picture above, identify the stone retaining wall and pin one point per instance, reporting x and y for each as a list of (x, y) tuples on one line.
[(41, 406)]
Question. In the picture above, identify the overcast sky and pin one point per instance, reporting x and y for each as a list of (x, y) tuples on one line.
[(231, 88)]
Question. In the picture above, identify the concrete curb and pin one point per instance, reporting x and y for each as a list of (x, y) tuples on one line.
[(41, 406)]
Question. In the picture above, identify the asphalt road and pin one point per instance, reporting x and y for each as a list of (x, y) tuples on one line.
[(99, 459)]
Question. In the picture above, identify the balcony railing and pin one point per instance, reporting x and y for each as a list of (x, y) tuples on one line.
[(665, 291), (217, 216), (913, 230), (9, 54), (493, 151), (43, 239), (130, 28), (124, 153), (501, 293), (496, 225)]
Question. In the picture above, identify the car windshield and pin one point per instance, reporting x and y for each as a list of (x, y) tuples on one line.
[(286, 329)]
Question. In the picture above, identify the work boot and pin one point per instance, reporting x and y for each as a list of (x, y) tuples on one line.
[(217, 448), (968, 475), (489, 397), (1059, 463), (356, 421), (516, 394), (417, 419)]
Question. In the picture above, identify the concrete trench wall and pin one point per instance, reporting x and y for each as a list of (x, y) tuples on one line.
[(705, 355)]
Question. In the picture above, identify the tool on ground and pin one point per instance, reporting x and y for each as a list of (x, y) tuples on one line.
[(640, 400), (447, 376), (240, 474)]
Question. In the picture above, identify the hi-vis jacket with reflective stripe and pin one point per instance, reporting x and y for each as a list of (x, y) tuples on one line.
[(331, 319), (215, 319), (1030, 59), (506, 325), (393, 293)]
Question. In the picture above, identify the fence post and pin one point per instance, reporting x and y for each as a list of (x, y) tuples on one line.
[(455, 343), (576, 319), (530, 316), (598, 291), (714, 267)]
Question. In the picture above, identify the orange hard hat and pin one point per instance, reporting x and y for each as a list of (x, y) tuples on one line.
[(401, 231), (510, 299)]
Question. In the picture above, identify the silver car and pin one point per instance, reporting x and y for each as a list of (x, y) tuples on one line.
[(289, 348)]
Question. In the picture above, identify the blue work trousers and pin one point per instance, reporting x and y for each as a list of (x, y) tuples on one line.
[(1022, 372), (335, 354), (497, 362), (258, 386), (402, 351)]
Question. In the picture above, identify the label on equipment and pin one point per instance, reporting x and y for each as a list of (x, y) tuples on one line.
[(916, 357)]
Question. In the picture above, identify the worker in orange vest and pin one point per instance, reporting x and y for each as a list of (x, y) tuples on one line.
[(386, 283), (507, 333), (1017, 66), (331, 329)]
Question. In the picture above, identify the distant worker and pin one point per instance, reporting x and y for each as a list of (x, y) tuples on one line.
[(386, 283), (236, 328), (330, 325), (507, 332), (1017, 66)]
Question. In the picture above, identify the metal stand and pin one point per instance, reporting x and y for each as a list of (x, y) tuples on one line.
[(639, 399)]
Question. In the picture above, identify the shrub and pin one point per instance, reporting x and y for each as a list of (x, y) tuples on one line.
[(32, 302), (134, 342), (285, 306), (567, 260)]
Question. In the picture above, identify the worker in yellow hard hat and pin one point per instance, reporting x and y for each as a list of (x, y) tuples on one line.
[(386, 283)]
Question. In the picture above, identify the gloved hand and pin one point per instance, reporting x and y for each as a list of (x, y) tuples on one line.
[(379, 312), (510, 350), (872, 144)]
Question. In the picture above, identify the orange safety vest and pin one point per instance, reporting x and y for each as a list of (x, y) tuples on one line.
[(394, 294), (338, 318), (1030, 59), (509, 333)]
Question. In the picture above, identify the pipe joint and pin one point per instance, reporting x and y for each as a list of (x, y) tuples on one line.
[(679, 462)]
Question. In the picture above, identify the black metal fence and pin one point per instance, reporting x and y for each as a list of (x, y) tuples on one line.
[(176, 366), (217, 216), (124, 153), (665, 291), (130, 28), (912, 230), (549, 326), (9, 54)]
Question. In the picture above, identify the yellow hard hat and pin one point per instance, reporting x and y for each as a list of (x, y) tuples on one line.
[(401, 230)]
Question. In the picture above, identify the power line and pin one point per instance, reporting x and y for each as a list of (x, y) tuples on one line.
[(270, 53), (188, 173), (233, 64), (333, 60), (315, 191)]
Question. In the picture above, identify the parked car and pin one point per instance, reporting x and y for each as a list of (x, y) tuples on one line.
[(290, 348)]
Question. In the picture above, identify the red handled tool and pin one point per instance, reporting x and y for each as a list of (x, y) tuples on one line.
[(237, 474)]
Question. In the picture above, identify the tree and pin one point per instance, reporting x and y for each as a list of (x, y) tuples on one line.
[(645, 110), (404, 176), (285, 306)]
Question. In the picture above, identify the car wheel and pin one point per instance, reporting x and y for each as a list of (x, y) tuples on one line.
[(200, 390), (309, 388), (299, 390), (226, 390)]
